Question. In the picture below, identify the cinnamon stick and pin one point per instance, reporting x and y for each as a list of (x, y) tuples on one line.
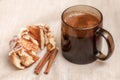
[(42, 63), (52, 57)]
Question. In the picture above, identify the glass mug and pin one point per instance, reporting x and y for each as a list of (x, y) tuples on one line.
[(81, 43)]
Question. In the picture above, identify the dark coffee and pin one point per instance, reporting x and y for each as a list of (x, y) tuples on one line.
[(81, 20), (80, 47), (81, 35)]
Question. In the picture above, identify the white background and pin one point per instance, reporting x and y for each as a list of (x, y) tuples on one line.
[(15, 14)]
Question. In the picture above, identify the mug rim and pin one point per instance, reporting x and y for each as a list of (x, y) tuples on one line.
[(101, 19)]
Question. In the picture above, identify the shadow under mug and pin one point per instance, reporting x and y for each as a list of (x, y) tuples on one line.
[(83, 45)]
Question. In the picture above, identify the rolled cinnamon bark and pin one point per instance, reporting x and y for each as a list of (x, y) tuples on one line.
[(51, 60), (42, 63)]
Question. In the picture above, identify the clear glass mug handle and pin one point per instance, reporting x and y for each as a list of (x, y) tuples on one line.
[(110, 43)]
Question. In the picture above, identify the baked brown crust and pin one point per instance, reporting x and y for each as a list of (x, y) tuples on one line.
[(23, 50), (25, 45)]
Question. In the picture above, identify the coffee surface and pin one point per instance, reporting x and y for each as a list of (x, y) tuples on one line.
[(81, 20)]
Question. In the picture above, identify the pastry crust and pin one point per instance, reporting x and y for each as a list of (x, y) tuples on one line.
[(50, 40), (24, 46), (14, 58), (23, 50), (42, 38)]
